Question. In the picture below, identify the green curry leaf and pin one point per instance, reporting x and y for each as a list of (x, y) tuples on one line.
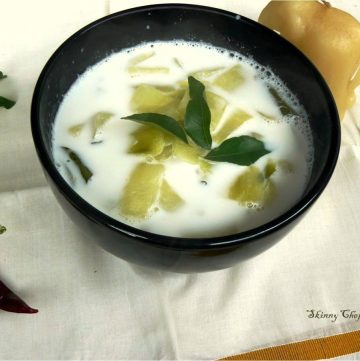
[(6, 103), (243, 150), (197, 116), (85, 172), (2, 229), (163, 121)]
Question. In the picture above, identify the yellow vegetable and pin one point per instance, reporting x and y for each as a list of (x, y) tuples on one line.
[(75, 130), (148, 141), (147, 98), (98, 121), (270, 168), (283, 165), (169, 199), (141, 191), (231, 124), (140, 58), (151, 99), (141, 70), (166, 153), (188, 153), (230, 79), (217, 105), (205, 74), (328, 36), (205, 166), (252, 189), (181, 109)]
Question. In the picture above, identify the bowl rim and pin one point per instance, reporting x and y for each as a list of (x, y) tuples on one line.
[(170, 242)]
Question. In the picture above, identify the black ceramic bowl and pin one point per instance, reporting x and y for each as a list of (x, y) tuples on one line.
[(193, 23)]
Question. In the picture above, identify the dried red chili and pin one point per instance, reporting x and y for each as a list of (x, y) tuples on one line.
[(10, 302)]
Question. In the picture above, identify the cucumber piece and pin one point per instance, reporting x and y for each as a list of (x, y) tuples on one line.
[(270, 168), (149, 99), (75, 130), (205, 74), (140, 58), (148, 141), (181, 109), (231, 124), (205, 167), (172, 110), (166, 153), (217, 105), (169, 200), (252, 189), (183, 84), (187, 153), (230, 79), (97, 123), (141, 191), (139, 70)]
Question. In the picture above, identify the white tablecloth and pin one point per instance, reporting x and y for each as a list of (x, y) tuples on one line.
[(95, 306)]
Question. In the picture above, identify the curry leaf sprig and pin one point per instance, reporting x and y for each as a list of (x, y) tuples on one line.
[(5, 102), (242, 150)]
